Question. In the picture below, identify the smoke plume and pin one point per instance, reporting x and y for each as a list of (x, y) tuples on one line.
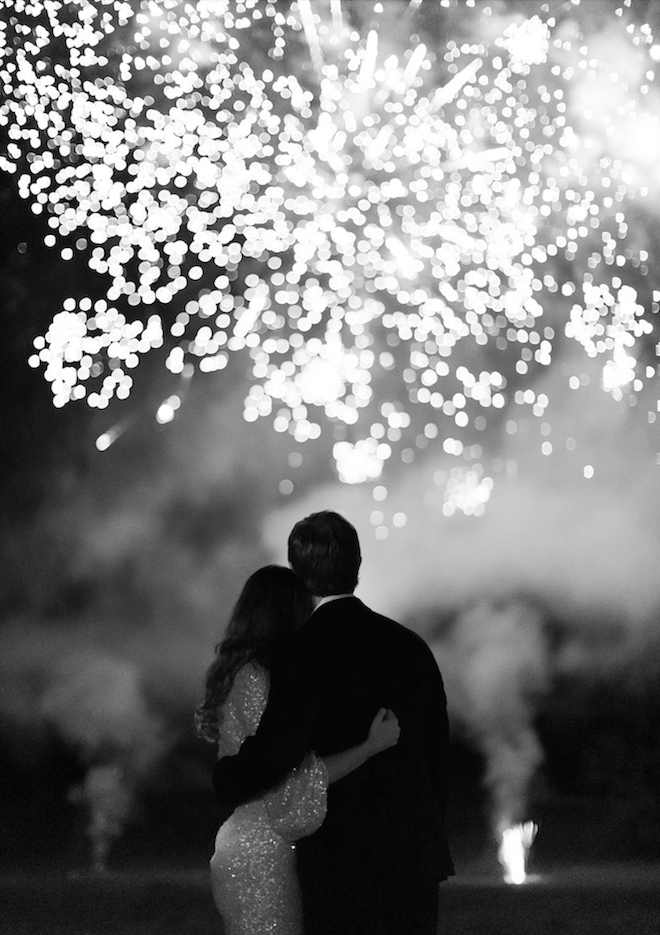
[(496, 669), (95, 703)]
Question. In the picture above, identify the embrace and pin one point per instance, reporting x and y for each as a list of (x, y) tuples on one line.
[(331, 727)]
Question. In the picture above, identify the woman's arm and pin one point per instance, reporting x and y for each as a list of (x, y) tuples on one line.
[(383, 733)]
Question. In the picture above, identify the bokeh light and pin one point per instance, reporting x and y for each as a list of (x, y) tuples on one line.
[(394, 239)]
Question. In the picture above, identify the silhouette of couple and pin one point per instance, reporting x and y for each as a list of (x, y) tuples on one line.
[(331, 727)]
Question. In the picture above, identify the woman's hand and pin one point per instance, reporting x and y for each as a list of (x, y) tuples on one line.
[(383, 733)]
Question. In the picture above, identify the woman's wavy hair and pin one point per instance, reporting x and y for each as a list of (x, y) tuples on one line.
[(273, 604)]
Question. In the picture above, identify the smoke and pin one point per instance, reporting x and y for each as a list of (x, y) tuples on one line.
[(94, 701), (119, 589), (154, 548), (496, 669), (585, 550), (108, 797)]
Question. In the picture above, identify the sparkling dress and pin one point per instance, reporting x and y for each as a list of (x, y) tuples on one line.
[(253, 869)]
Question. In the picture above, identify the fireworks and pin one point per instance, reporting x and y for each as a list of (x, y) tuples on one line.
[(514, 848), (392, 238)]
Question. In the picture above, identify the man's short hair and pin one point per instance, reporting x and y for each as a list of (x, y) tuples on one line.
[(324, 550)]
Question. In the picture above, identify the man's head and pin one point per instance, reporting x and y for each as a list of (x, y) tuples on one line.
[(324, 550)]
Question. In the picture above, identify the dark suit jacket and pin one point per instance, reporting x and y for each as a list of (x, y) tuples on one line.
[(384, 820)]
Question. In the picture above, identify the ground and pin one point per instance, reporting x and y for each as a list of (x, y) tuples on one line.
[(604, 900)]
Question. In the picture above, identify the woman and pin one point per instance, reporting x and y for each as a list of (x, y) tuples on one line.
[(253, 874)]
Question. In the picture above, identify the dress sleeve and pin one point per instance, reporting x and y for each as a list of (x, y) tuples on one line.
[(242, 709), (296, 807)]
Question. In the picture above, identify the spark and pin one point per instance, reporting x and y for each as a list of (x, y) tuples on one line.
[(109, 437)]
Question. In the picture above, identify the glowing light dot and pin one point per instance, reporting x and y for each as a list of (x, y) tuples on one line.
[(167, 409), (588, 471), (164, 414)]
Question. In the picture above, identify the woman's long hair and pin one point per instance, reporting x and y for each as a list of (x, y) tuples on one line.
[(273, 604)]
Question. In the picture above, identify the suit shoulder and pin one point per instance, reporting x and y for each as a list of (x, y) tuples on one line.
[(352, 619), (408, 639)]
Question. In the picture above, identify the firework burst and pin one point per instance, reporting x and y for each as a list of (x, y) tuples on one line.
[(392, 237)]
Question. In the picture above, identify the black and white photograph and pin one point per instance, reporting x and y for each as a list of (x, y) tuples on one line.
[(330, 467)]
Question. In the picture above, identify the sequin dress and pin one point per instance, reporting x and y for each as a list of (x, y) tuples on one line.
[(253, 870)]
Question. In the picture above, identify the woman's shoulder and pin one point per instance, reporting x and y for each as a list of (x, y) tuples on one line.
[(251, 675), (252, 670)]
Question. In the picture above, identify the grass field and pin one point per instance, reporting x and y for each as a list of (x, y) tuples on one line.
[(606, 900)]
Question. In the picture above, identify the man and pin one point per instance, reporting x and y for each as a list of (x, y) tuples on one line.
[(374, 866)]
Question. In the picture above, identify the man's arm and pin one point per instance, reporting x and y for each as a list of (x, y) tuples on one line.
[(283, 736)]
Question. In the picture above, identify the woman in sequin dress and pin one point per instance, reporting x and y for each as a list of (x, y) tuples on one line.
[(253, 871)]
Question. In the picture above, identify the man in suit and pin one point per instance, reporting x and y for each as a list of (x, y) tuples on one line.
[(374, 866)]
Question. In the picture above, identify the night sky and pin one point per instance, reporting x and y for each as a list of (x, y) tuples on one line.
[(398, 260)]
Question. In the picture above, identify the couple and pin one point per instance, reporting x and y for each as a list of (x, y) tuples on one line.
[(332, 733)]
